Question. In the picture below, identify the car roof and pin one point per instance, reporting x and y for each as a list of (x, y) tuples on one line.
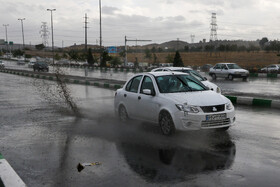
[(172, 68), (162, 73), (226, 63)]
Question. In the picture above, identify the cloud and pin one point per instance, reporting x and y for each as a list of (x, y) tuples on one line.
[(109, 10)]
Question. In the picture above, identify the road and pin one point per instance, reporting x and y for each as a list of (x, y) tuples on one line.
[(44, 141), (255, 87)]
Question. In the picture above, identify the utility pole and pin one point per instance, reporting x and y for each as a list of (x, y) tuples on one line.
[(86, 32), (214, 27), (52, 32), (192, 38), (6, 25), (100, 31), (125, 47), (21, 19)]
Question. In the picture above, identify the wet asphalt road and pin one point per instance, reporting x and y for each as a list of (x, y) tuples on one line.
[(44, 141), (255, 87)]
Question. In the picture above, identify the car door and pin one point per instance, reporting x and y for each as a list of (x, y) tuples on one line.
[(217, 70), (131, 95), (147, 104), (224, 70)]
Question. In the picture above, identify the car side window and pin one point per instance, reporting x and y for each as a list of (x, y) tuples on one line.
[(224, 66), (158, 70), (147, 84), (218, 66), (133, 84)]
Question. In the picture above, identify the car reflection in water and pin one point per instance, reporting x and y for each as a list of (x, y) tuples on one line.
[(159, 164)]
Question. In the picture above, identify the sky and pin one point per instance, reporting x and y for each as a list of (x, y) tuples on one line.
[(156, 20)]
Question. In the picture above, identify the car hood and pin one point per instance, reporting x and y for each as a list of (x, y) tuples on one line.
[(201, 98), (210, 85), (241, 70)]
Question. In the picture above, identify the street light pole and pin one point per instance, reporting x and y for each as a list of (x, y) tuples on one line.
[(6, 25), (52, 32), (21, 19), (100, 31)]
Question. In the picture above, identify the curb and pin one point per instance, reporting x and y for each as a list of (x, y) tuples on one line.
[(254, 101), (67, 80), (8, 176), (265, 75)]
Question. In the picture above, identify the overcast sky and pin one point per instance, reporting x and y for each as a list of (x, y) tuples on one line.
[(157, 20)]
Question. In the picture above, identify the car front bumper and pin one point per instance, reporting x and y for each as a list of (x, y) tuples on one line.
[(196, 121)]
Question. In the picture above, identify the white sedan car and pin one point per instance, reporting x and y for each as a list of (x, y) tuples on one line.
[(193, 73), (270, 68), (175, 101), (228, 70)]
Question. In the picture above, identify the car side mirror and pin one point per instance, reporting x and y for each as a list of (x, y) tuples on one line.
[(226, 68), (148, 92), (205, 78)]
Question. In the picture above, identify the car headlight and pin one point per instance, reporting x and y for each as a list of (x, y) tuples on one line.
[(229, 106), (187, 108), (236, 72), (218, 90)]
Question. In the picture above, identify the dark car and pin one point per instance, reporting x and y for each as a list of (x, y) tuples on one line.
[(41, 66), (206, 67)]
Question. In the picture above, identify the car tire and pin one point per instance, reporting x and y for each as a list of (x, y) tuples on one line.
[(166, 123), (214, 77), (245, 78), (123, 114), (230, 77)]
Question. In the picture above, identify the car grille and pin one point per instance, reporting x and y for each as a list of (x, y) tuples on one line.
[(210, 109), (215, 123)]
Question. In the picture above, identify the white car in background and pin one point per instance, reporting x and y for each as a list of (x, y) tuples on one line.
[(193, 73), (175, 101), (270, 68), (228, 70), (2, 65)]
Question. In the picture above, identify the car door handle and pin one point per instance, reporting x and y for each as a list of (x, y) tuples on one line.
[(124, 95), (139, 97)]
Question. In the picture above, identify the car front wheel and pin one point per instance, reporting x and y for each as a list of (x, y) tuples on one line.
[(230, 77), (166, 123), (214, 76), (123, 114)]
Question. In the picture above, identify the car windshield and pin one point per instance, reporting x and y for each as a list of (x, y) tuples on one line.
[(42, 63), (178, 83), (195, 74), (233, 66)]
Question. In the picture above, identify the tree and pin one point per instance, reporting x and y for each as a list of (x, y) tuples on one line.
[(148, 53), (169, 58), (136, 64), (186, 48), (40, 46), (73, 55), (17, 52), (178, 62), (155, 58), (263, 41), (104, 58), (57, 57), (115, 61), (90, 58)]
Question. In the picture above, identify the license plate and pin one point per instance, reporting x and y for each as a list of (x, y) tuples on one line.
[(216, 117)]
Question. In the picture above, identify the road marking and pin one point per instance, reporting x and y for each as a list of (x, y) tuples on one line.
[(8, 175)]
